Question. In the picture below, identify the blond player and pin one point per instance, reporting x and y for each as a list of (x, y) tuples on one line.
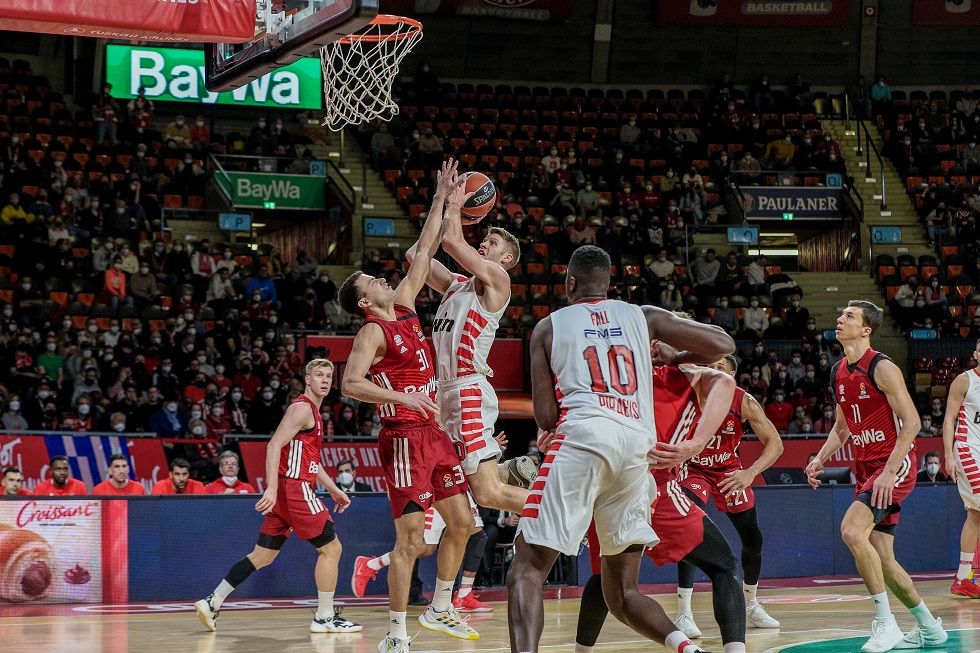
[(961, 440)]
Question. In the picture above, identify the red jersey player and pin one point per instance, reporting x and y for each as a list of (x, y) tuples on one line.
[(422, 467), (876, 413), (60, 484), (292, 465), (717, 472)]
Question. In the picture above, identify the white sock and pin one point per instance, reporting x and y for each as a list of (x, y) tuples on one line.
[(734, 647), (583, 649), (678, 641), (465, 586), (443, 596), (750, 592), (397, 626), (324, 602), (221, 593), (684, 599), (380, 562), (966, 565), (882, 609), (922, 615)]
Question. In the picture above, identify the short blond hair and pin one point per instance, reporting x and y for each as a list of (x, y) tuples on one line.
[(510, 240), (318, 362)]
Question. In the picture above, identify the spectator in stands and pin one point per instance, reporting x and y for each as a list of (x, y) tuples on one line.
[(795, 370), (13, 419), (105, 113), (807, 157), (939, 222), (904, 301), (324, 287), (170, 421), (114, 291), (164, 377), (179, 481), (177, 135), (730, 276), (264, 285), (347, 478), (659, 269), (81, 420), (755, 137), (936, 300), (705, 273), (587, 201), (761, 94), (694, 182), (229, 482), (143, 286), (796, 318), (203, 268), (381, 144), (221, 292), (280, 137), (266, 413), (305, 263), (189, 179), (755, 321), (430, 149), (40, 208), (14, 216), (671, 298), (200, 135), (726, 318), (629, 133), (799, 91), (781, 153), (580, 234), (906, 158), (860, 96), (757, 382), (139, 110), (937, 411), (733, 120), (779, 411), (749, 170), (931, 470)]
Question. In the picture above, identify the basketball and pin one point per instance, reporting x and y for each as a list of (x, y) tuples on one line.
[(484, 194)]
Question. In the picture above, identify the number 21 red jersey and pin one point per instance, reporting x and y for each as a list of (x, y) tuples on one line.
[(871, 421)]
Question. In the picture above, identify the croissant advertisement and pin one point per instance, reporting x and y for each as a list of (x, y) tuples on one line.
[(51, 552)]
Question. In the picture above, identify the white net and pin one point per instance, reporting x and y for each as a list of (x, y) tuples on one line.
[(359, 71)]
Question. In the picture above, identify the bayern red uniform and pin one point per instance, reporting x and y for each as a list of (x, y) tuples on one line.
[(704, 473), (421, 465), (220, 487), (297, 506), (166, 486), (73, 487), (873, 426)]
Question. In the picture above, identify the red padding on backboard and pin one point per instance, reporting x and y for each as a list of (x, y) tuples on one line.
[(197, 21)]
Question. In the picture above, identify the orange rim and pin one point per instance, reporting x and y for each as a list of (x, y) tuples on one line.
[(414, 27)]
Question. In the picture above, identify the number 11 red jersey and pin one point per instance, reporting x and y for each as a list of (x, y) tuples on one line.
[(870, 419)]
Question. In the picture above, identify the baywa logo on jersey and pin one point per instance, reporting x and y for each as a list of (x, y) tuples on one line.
[(864, 392)]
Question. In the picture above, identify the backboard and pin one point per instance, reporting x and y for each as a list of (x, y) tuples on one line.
[(286, 30)]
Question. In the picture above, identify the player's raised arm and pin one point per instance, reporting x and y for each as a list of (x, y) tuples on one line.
[(297, 418), (715, 391), (495, 279), (428, 243), (954, 401), (368, 346), (772, 447), (700, 343), (542, 378)]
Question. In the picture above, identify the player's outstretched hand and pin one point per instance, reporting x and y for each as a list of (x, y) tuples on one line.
[(457, 198), (735, 482), (501, 439), (420, 403), (881, 492), (951, 467), (813, 470), (341, 499), (545, 438), (267, 502), (666, 455), (447, 179), (662, 354)]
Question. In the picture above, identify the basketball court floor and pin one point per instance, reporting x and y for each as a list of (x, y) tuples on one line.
[(829, 615)]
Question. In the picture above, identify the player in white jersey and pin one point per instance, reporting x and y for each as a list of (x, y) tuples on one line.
[(961, 440), (462, 334), (596, 354)]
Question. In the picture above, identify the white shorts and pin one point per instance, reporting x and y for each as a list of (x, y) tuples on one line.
[(610, 483), (435, 525), (468, 409), (968, 474)]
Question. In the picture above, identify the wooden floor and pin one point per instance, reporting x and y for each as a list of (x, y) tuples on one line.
[(818, 610)]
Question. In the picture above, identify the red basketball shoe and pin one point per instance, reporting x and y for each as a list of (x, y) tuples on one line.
[(965, 588), (362, 575), (470, 603)]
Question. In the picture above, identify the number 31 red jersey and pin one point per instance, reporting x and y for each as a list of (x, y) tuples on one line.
[(870, 419)]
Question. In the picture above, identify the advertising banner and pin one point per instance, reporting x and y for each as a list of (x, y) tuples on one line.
[(264, 190), (705, 13), (364, 454), (51, 551), (539, 10), (177, 75), (187, 21), (791, 203), (28, 454), (951, 13)]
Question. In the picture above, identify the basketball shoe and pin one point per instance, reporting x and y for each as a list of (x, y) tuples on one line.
[(333, 624), (885, 635), (924, 637), (965, 587), (685, 624), (470, 603), (758, 617), (394, 645), (206, 613), (448, 622), (362, 575), (521, 471)]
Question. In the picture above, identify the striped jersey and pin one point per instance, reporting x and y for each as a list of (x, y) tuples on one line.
[(678, 411), (405, 367), (463, 332), (968, 419), (300, 459), (722, 449), (872, 423), (600, 354)]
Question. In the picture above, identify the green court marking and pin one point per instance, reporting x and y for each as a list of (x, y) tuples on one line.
[(960, 641)]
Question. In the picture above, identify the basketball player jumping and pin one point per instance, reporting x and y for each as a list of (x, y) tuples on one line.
[(717, 472), (961, 441), (421, 465), (875, 411), (598, 350), (462, 335), (292, 464)]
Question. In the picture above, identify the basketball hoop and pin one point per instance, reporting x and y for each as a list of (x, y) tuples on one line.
[(359, 70)]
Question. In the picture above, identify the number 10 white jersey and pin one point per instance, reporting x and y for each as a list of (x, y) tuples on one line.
[(600, 353)]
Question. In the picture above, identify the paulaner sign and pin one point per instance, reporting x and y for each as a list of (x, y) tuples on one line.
[(803, 202)]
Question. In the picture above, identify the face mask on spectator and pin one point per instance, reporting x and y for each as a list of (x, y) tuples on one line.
[(202, 359), (119, 428), (14, 406), (87, 353), (796, 360), (171, 407), (195, 414), (807, 428), (236, 396), (273, 319), (926, 423), (84, 409), (198, 430), (145, 270), (217, 411), (275, 385), (346, 479), (66, 324), (267, 396), (220, 369), (290, 348)]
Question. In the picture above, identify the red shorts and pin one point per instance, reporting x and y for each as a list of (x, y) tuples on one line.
[(704, 481), (867, 471), (678, 522), (421, 466), (297, 509)]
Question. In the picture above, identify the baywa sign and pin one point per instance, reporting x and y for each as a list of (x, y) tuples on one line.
[(177, 75), (257, 190)]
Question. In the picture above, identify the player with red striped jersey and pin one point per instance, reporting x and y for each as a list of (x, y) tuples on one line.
[(717, 473), (596, 352), (961, 441), (289, 503), (462, 334), (876, 413), (422, 467)]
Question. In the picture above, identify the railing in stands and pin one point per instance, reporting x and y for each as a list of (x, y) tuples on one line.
[(867, 147), (221, 178)]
